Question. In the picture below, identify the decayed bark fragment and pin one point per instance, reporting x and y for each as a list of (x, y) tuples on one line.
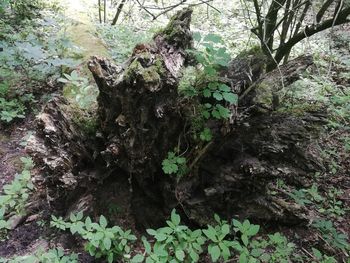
[(57, 148)]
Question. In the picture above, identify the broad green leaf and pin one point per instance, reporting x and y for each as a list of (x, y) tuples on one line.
[(230, 97), (215, 253), (217, 96), (175, 218), (107, 243), (180, 254), (253, 230), (137, 259), (103, 221)]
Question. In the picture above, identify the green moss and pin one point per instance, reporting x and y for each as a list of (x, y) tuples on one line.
[(132, 70), (86, 121), (159, 65), (300, 108), (150, 75)]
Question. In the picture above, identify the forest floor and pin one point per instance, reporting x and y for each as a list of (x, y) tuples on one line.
[(34, 232)]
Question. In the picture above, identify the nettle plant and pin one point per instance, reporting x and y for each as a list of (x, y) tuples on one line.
[(108, 242)]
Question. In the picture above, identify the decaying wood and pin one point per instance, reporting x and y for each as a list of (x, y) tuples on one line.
[(141, 117), (57, 148)]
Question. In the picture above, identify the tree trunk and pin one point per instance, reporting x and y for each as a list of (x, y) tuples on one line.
[(141, 117), (99, 11), (119, 10)]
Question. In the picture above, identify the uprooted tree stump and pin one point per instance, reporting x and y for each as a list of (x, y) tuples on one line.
[(141, 117)]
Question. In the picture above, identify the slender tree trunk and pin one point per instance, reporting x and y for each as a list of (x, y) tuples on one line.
[(99, 11), (104, 11), (119, 10)]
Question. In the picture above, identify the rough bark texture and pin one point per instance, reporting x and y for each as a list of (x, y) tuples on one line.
[(58, 149), (141, 117), (138, 107)]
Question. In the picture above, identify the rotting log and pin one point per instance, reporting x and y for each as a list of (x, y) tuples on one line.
[(141, 117)]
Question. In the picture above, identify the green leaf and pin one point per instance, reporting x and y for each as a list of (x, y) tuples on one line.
[(245, 239), (211, 233), (107, 243), (110, 257), (151, 232), (147, 245), (206, 135), (215, 253), (217, 96), (180, 254), (225, 251), (243, 258), (210, 71), (225, 229), (253, 230), (175, 218), (137, 259), (194, 256), (79, 216), (160, 237), (224, 112), (317, 253), (103, 221), (206, 93), (224, 88), (169, 167), (230, 97)]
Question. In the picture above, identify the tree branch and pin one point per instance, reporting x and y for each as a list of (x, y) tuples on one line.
[(308, 31), (119, 10)]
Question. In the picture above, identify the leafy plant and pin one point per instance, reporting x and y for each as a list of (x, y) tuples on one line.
[(102, 241), (4, 224), (174, 164), (51, 256), (219, 246), (282, 249), (16, 193), (250, 251), (330, 234), (174, 243), (84, 93), (321, 258), (11, 109)]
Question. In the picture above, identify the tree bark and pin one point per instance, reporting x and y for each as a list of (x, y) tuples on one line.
[(141, 117), (119, 10)]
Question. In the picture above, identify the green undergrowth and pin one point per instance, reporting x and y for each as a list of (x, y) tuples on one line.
[(222, 241), (121, 40), (14, 196), (33, 54)]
